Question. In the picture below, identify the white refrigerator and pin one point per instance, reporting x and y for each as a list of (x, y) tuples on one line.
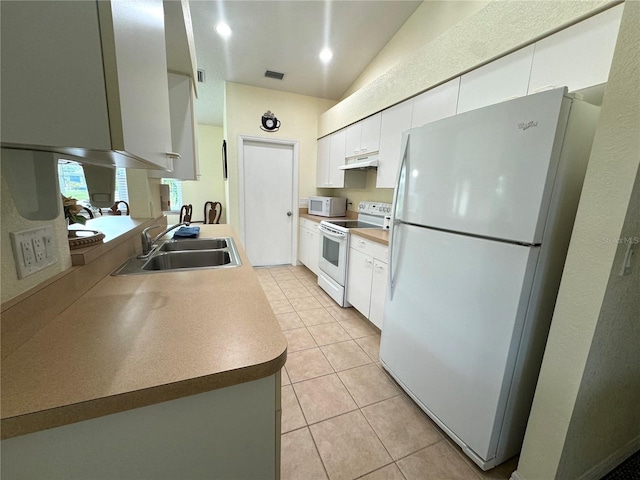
[(483, 212)]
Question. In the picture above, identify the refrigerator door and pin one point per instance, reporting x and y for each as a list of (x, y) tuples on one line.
[(488, 172), (452, 327)]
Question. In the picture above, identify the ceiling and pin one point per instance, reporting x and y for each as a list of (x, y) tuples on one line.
[(286, 37)]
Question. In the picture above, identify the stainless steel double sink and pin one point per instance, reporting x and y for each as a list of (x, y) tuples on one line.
[(185, 254)]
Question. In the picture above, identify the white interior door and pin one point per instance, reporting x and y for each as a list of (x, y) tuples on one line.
[(268, 186)]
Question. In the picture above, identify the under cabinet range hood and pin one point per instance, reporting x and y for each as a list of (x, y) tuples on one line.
[(361, 162)]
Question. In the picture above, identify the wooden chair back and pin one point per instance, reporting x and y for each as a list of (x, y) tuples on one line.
[(185, 213), (212, 212), (114, 208)]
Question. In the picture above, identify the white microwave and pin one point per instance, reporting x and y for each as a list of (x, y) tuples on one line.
[(328, 206)]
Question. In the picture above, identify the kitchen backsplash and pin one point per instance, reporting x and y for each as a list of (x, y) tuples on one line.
[(357, 195)]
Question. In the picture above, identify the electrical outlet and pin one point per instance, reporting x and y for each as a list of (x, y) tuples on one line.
[(38, 249), (33, 250), (28, 258)]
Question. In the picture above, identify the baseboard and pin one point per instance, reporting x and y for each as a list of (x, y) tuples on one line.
[(601, 469), (612, 461), (516, 476)]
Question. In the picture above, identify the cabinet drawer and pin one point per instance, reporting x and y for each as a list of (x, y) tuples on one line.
[(376, 250)]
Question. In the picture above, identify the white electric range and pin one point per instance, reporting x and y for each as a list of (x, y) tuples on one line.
[(334, 247)]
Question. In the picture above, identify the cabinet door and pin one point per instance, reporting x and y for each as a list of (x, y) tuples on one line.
[(578, 56), (352, 140), (359, 276), (437, 103), (303, 246), (53, 91), (394, 122), (378, 293), (501, 79), (135, 63), (314, 248), (183, 130), (336, 176), (370, 138), (324, 160)]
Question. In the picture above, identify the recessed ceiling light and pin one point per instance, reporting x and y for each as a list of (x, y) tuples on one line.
[(326, 55), (223, 29)]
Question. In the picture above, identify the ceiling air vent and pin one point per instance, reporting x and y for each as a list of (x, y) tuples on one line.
[(276, 75), (200, 75)]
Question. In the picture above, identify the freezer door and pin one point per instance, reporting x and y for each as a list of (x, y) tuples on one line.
[(452, 326), (488, 172)]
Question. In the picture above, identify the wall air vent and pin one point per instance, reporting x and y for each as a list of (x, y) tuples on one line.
[(200, 75), (276, 75)]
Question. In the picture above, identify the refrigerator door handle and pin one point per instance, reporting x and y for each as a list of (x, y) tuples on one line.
[(400, 183)]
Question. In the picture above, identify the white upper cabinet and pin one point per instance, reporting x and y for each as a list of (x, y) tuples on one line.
[(58, 96), (494, 82), (179, 40), (336, 157), (135, 62), (363, 137), (330, 157), (437, 103), (395, 121), (184, 137), (578, 56), (94, 85), (324, 160)]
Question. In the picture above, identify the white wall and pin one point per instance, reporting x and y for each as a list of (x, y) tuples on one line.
[(244, 107), (586, 412)]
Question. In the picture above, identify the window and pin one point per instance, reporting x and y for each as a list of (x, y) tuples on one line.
[(175, 192), (72, 182), (74, 185)]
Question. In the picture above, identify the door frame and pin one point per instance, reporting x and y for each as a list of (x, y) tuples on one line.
[(294, 191)]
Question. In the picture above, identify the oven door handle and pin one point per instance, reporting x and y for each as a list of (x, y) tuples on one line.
[(331, 234)]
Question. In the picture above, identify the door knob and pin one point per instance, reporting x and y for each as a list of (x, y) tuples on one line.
[(289, 214)]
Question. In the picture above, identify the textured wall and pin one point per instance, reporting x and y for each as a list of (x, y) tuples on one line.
[(430, 20), (244, 107), (498, 28), (13, 222), (586, 404)]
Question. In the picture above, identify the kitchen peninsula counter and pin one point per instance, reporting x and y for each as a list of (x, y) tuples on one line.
[(139, 340)]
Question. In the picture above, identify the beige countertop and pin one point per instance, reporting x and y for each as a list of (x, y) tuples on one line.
[(378, 235), (137, 340)]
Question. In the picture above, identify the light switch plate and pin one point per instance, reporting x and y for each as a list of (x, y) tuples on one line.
[(33, 249)]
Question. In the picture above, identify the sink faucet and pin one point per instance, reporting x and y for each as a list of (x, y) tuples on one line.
[(147, 241)]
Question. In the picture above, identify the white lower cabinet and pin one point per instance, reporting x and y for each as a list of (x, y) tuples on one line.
[(207, 435), (378, 292), (309, 247), (367, 278)]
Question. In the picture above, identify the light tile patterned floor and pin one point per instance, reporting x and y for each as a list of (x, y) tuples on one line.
[(343, 417)]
